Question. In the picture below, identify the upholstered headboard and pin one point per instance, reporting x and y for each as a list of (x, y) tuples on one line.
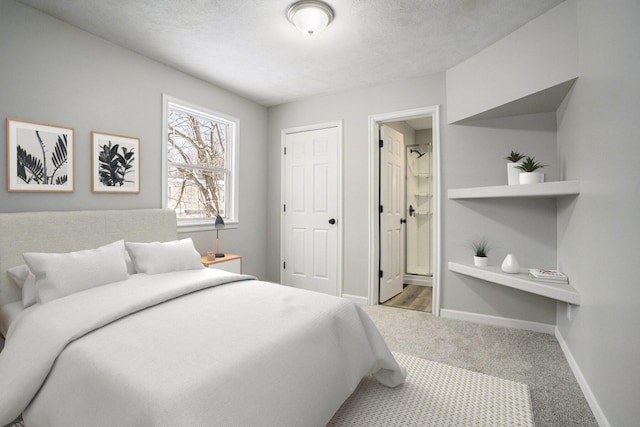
[(73, 231)]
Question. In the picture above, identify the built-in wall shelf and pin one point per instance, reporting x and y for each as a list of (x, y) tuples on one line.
[(558, 291), (543, 189)]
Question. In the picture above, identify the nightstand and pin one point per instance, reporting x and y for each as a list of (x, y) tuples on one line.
[(230, 262)]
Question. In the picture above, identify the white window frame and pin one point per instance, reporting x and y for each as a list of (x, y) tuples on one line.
[(231, 188)]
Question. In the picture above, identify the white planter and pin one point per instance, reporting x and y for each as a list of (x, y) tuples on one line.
[(529, 177), (480, 261), (513, 173), (510, 264)]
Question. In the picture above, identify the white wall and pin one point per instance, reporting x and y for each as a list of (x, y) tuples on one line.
[(599, 231), (55, 73)]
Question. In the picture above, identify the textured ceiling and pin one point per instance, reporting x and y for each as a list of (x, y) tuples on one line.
[(249, 47)]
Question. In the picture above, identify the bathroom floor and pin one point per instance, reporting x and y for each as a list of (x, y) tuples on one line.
[(413, 297)]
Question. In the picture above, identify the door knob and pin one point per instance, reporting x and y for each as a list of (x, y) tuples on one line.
[(403, 221), (332, 221)]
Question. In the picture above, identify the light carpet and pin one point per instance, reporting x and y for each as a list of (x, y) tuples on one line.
[(435, 394)]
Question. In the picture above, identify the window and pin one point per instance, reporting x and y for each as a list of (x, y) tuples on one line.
[(199, 167)]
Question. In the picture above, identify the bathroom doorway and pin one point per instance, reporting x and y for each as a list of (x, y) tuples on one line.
[(417, 214), (421, 131)]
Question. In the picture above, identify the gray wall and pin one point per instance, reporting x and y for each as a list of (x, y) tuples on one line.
[(541, 54), (353, 107), (472, 155), (55, 73), (599, 231)]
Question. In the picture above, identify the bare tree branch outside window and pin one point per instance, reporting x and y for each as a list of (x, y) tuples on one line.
[(198, 169)]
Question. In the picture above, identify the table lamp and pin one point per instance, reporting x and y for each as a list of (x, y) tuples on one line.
[(218, 224)]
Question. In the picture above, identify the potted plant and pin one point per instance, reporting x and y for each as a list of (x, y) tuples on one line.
[(529, 167), (513, 174), (480, 250)]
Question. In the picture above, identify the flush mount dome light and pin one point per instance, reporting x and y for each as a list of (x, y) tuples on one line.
[(310, 16)]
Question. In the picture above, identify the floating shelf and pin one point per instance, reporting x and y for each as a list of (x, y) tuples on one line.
[(543, 189), (558, 291)]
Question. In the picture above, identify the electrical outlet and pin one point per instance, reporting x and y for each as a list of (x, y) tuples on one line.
[(569, 311)]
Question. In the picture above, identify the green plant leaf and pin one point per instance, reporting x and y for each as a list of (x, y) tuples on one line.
[(514, 156), (480, 247), (530, 165)]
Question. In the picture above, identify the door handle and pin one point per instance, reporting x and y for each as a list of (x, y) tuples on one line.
[(403, 221), (332, 221), (412, 211)]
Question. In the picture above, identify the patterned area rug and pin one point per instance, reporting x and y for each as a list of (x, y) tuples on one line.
[(436, 394)]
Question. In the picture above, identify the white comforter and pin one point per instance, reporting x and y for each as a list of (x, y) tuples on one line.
[(176, 349)]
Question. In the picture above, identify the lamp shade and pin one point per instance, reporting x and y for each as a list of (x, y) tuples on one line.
[(310, 16), (219, 222)]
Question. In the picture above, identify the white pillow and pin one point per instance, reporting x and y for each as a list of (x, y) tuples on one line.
[(24, 278), (58, 275), (19, 274), (29, 291), (157, 257), (131, 269)]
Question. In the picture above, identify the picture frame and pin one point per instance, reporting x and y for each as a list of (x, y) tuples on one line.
[(40, 157), (115, 163)]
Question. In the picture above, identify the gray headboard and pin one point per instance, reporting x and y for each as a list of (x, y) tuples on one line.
[(73, 231)]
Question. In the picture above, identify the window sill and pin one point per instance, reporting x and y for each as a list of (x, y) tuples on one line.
[(195, 226)]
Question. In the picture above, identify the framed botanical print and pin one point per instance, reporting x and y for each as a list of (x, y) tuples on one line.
[(39, 157), (115, 163)]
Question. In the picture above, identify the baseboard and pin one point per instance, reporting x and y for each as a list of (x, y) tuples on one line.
[(498, 321), (356, 299), (410, 279), (582, 381)]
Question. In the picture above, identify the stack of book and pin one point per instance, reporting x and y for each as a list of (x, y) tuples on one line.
[(551, 276)]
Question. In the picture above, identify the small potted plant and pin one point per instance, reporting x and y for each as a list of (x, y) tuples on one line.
[(529, 167), (480, 250), (513, 174)]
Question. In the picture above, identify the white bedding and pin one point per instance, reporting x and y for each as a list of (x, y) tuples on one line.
[(8, 313), (243, 353)]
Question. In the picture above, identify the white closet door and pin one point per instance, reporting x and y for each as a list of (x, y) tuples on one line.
[(311, 215)]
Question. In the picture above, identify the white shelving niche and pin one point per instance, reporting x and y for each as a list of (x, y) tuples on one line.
[(558, 291)]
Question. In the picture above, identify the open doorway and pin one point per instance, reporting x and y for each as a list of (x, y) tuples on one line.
[(415, 190), (416, 258)]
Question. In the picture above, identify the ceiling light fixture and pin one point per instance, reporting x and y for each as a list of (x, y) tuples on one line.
[(310, 16)]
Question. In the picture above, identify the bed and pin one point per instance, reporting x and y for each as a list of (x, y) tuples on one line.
[(128, 329)]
